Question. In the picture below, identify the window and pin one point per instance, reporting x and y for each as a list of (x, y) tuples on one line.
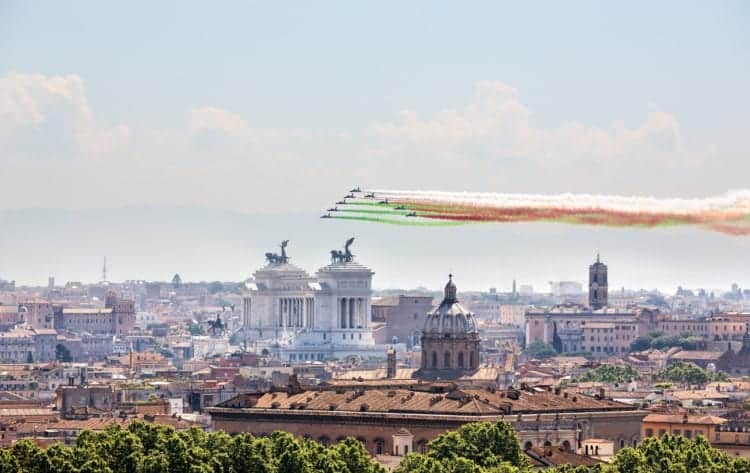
[(447, 360), (649, 432), (688, 434), (434, 359), (461, 360)]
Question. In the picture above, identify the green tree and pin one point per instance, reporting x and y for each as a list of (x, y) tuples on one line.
[(62, 353), (356, 458), (419, 463), (640, 344), (215, 287), (487, 444), (607, 373), (540, 350), (9, 463), (30, 457), (556, 340), (689, 373)]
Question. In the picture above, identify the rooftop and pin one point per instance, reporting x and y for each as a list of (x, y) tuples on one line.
[(437, 398)]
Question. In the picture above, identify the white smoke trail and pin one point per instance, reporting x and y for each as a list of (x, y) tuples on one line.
[(737, 201)]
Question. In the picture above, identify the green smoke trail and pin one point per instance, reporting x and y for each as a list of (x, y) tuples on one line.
[(405, 223)]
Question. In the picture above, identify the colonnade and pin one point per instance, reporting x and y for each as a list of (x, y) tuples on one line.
[(296, 312), (352, 312)]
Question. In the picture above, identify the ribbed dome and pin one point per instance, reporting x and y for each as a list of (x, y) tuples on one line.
[(450, 318)]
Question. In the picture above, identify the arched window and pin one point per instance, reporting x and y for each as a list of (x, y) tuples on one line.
[(422, 446), (324, 440), (566, 445), (461, 359), (434, 359), (472, 360), (527, 446), (447, 360)]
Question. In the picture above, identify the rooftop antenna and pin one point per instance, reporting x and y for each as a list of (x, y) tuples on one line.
[(104, 270)]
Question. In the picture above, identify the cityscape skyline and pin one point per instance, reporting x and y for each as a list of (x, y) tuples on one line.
[(405, 237)]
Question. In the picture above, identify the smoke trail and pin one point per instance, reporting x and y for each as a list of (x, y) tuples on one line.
[(406, 223), (728, 213)]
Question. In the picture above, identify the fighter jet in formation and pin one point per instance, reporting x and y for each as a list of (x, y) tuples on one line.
[(411, 214), (356, 189)]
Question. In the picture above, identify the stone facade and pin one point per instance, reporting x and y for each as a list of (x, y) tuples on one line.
[(597, 329), (450, 340), (403, 317), (116, 318), (377, 416), (598, 285), (301, 318)]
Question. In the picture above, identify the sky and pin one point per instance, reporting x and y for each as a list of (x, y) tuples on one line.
[(249, 114)]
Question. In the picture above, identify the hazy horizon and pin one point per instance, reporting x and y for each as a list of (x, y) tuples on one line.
[(211, 244)]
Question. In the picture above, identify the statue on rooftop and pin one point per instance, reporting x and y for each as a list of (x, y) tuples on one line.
[(346, 256), (274, 258)]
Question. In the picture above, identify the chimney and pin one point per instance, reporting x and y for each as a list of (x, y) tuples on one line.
[(601, 393), (390, 371)]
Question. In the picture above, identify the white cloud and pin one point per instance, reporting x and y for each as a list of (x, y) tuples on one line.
[(219, 158), (498, 120), (46, 115), (217, 119)]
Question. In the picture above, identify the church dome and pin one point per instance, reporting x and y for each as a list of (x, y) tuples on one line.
[(450, 318)]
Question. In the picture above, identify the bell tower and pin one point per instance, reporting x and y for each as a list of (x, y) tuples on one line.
[(598, 296)]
